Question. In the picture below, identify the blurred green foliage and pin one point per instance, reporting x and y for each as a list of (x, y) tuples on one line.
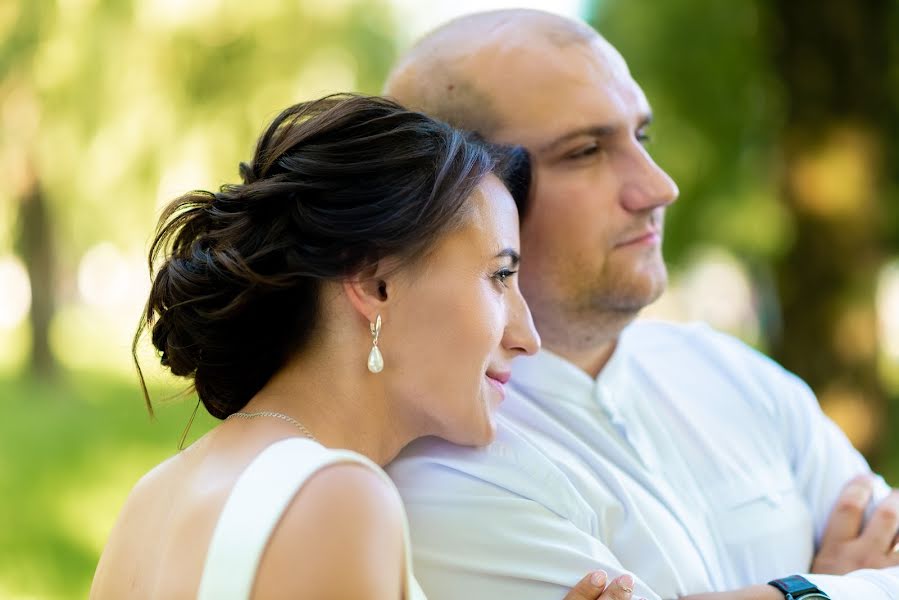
[(108, 97)]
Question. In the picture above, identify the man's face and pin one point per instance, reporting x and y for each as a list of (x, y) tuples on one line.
[(591, 240)]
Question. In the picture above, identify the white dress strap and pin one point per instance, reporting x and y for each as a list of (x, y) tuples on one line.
[(255, 506)]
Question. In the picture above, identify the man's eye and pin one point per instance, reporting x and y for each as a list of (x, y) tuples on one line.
[(586, 151), (643, 138)]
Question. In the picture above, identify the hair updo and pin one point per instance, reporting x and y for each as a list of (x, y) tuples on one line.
[(335, 185)]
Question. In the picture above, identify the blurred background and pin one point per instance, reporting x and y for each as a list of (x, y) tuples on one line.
[(779, 120)]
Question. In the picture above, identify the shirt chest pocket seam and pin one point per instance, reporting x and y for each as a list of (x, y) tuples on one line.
[(773, 488), (764, 510)]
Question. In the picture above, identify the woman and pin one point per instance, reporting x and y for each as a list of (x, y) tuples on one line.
[(356, 292)]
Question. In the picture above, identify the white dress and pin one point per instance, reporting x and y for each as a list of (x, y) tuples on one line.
[(259, 498)]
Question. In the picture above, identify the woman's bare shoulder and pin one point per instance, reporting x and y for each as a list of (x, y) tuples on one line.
[(130, 530), (341, 537)]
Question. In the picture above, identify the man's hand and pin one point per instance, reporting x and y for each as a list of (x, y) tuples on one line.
[(846, 545)]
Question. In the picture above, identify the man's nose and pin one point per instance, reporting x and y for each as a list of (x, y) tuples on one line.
[(648, 187)]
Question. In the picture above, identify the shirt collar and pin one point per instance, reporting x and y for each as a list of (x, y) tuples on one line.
[(550, 374)]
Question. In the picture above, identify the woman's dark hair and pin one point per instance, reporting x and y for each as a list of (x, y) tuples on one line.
[(334, 186)]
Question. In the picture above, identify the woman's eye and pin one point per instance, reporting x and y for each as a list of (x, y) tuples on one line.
[(503, 274), (643, 138)]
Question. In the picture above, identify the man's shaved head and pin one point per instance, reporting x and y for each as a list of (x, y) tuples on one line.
[(447, 73)]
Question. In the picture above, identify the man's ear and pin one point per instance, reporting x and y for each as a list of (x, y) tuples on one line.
[(369, 292)]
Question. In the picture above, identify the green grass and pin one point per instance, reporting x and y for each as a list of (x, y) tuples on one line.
[(69, 453)]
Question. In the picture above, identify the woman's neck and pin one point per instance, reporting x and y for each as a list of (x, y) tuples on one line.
[(341, 411)]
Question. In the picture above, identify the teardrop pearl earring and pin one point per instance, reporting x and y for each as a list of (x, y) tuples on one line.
[(375, 360)]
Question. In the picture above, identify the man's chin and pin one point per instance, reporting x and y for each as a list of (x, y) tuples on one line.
[(633, 296), (658, 287)]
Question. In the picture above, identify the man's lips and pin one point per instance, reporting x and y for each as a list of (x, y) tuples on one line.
[(647, 237)]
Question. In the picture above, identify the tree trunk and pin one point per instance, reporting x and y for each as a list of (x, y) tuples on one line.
[(833, 59), (36, 249)]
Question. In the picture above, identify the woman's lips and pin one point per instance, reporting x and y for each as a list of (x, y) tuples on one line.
[(500, 376), (498, 381)]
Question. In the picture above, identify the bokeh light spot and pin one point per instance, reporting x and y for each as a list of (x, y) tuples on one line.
[(15, 292)]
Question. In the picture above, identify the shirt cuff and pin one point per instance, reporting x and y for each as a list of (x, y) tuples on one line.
[(871, 584)]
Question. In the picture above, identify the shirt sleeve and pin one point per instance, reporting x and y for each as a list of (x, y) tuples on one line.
[(823, 459), (870, 584), (475, 540)]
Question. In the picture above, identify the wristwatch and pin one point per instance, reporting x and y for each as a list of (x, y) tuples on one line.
[(796, 587)]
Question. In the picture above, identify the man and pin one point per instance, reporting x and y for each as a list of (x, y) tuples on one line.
[(670, 451)]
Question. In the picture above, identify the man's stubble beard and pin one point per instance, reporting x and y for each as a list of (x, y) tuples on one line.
[(597, 310), (619, 296)]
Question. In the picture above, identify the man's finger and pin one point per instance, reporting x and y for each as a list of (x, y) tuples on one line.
[(845, 522), (892, 560), (880, 532), (893, 556)]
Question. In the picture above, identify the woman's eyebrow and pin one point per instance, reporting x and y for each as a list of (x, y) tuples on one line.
[(511, 253)]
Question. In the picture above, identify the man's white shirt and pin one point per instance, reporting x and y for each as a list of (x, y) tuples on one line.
[(692, 461)]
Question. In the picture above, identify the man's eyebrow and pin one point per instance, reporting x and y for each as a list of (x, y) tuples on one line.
[(511, 253), (595, 131)]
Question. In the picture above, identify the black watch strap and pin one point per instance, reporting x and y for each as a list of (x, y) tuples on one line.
[(796, 587)]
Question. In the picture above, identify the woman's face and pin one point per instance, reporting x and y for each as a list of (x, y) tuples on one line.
[(457, 322)]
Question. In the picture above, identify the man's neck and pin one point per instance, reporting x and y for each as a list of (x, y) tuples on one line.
[(588, 346), (591, 361)]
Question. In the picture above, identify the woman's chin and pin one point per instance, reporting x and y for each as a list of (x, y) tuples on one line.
[(479, 429), (478, 434), (489, 430), (491, 435)]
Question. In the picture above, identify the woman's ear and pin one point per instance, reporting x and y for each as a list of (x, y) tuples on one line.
[(370, 292)]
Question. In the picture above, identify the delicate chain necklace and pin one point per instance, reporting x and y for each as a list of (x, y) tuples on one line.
[(277, 415)]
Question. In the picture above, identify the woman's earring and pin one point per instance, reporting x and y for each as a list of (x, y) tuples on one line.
[(375, 360)]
